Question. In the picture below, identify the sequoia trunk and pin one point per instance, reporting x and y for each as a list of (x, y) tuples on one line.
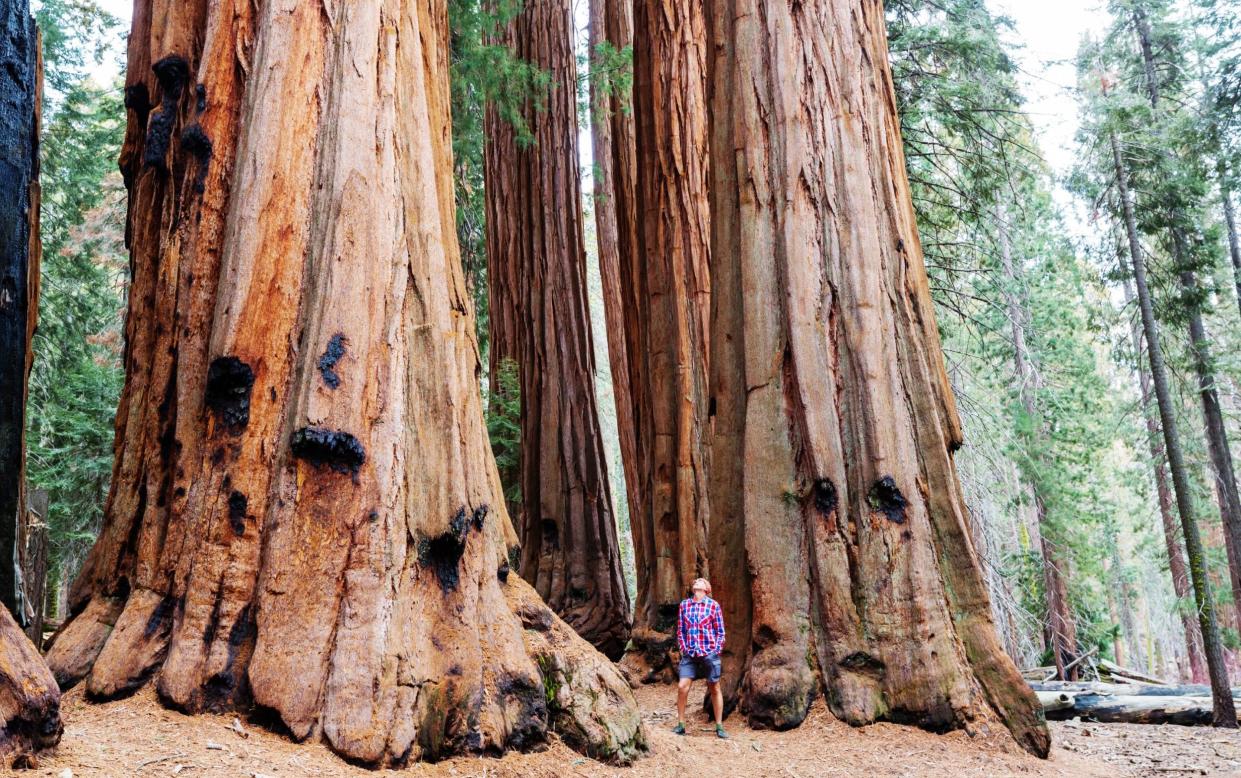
[(29, 698), (833, 406), (540, 319), (304, 511), (20, 95), (667, 326)]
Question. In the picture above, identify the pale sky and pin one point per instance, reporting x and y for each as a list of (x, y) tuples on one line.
[(1044, 43)]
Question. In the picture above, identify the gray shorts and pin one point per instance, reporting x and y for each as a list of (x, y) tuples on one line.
[(695, 667)]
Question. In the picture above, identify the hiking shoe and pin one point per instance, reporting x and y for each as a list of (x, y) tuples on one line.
[(679, 729), (720, 733)]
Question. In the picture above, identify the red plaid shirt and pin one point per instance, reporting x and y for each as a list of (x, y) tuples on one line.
[(700, 627)]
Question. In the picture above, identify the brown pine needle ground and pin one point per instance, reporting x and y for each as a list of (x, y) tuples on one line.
[(139, 737)]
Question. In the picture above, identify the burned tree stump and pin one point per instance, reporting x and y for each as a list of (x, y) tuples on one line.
[(20, 93)]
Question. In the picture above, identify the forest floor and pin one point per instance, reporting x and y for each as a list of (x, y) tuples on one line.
[(139, 737)]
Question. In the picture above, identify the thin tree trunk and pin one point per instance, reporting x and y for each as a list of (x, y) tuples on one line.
[(1060, 624), (20, 252), (540, 319), (304, 514), (1224, 712), (1111, 578), (834, 404), (668, 325), (1234, 243), (1176, 558), (1225, 483)]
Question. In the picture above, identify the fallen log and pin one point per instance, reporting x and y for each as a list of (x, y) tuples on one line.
[(1128, 674), (1054, 701), (1129, 709), (1128, 689)]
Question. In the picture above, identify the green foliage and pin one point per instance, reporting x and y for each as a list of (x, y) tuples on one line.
[(1063, 433), (610, 77), (76, 34), (504, 427), (77, 374)]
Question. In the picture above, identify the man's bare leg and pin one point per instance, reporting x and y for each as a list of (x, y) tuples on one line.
[(717, 701), (683, 695)]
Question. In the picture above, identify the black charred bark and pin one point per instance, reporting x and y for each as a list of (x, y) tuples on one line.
[(19, 174)]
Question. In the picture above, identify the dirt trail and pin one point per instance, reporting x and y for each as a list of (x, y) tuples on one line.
[(138, 737)]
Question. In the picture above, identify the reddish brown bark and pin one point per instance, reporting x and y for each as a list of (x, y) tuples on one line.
[(305, 515), (833, 404), (540, 319), (667, 284)]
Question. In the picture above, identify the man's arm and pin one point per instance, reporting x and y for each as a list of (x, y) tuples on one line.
[(681, 627), (719, 624)]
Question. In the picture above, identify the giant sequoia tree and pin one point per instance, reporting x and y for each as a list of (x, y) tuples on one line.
[(540, 319), (304, 513), (666, 324), (849, 556)]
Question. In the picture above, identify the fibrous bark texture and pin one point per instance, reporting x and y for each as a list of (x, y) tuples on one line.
[(20, 94), (304, 512), (540, 319), (666, 326), (29, 698), (832, 401)]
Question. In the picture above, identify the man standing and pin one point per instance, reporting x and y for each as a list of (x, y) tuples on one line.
[(700, 636)]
